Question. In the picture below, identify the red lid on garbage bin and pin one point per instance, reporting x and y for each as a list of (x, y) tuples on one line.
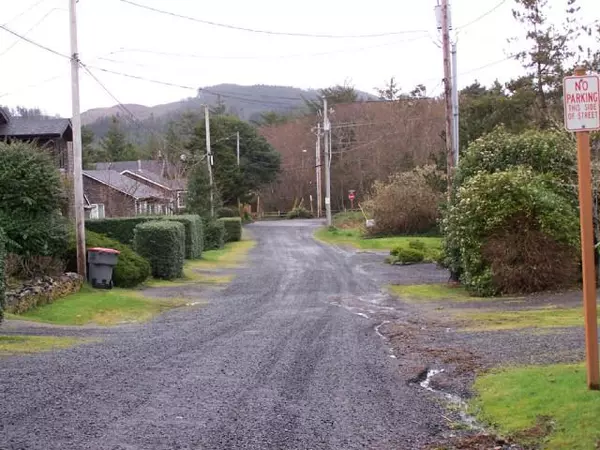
[(112, 251)]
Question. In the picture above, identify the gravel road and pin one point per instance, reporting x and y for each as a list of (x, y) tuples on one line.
[(287, 357)]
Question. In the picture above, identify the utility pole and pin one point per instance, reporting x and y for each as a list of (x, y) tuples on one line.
[(237, 150), (77, 146), (455, 108), (327, 129), (447, 89), (209, 160), (318, 169), (237, 134)]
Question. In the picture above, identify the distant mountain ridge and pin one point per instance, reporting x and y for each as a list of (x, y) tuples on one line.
[(247, 102)]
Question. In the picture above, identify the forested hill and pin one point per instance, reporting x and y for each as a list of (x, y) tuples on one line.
[(246, 102)]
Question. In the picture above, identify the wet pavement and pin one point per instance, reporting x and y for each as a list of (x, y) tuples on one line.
[(291, 355)]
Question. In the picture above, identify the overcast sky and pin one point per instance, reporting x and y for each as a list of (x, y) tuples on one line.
[(112, 29)]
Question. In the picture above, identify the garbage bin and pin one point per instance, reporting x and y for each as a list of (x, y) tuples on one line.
[(100, 266)]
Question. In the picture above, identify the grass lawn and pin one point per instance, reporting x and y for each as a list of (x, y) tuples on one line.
[(91, 306), (434, 293), (531, 318), (233, 255), (529, 402), (15, 345), (354, 238)]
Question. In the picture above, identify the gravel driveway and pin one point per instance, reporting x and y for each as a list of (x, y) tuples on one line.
[(287, 357)]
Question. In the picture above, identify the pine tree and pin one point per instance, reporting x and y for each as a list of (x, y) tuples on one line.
[(115, 144)]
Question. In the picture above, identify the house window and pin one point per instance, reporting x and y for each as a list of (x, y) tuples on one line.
[(97, 211), (181, 197), (142, 208)]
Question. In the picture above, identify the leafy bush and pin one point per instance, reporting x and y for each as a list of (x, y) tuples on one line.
[(2, 282), (214, 234), (122, 229), (407, 204), (350, 219), (131, 269), (227, 212), (31, 197), (233, 229), (162, 242), (119, 228), (405, 256), (299, 213), (417, 245), (194, 234), (500, 226)]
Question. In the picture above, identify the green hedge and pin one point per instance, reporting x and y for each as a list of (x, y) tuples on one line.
[(131, 269), (194, 234), (233, 229), (227, 212), (119, 228), (214, 235), (122, 229), (163, 243), (2, 286)]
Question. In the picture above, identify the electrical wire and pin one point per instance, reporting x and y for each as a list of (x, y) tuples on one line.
[(37, 44), (260, 57), (483, 16), (21, 14), (268, 32), (10, 47)]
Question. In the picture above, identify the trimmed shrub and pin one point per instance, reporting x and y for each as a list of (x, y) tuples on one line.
[(233, 229), (406, 256), (417, 245), (513, 233), (299, 213), (194, 234), (407, 204), (31, 198), (2, 282), (227, 212), (162, 242), (214, 235), (119, 228), (131, 269)]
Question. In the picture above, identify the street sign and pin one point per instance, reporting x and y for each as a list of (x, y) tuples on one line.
[(582, 103), (351, 196)]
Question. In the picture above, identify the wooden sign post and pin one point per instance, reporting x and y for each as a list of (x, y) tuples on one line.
[(582, 115)]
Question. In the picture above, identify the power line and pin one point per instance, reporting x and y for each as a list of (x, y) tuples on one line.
[(260, 57), (21, 14), (274, 33), (483, 16), (138, 77), (9, 48), (37, 44)]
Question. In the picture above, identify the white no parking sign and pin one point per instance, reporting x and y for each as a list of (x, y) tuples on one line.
[(582, 103)]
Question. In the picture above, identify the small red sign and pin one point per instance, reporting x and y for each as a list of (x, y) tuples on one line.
[(351, 196)]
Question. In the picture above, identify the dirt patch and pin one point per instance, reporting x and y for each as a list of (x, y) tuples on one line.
[(478, 442)]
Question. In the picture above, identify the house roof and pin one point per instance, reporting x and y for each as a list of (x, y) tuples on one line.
[(120, 166), (175, 185), (123, 184), (21, 127)]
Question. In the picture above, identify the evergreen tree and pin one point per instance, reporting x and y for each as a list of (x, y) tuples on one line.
[(115, 145)]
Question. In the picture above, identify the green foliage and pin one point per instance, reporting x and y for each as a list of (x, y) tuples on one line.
[(549, 152), (30, 200), (123, 229), (2, 278), (119, 228), (522, 202), (131, 269), (406, 256), (115, 145), (227, 212), (335, 95), (233, 229), (259, 161), (214, 234), (198, 192), (417, 245), (194, 234), (162, 242), (299, 212)]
